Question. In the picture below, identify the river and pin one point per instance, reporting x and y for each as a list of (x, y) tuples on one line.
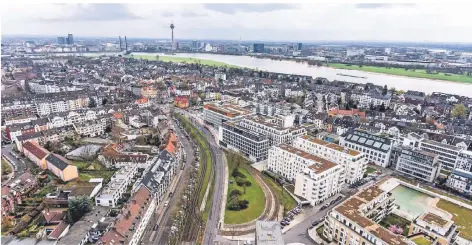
[(291, 67)]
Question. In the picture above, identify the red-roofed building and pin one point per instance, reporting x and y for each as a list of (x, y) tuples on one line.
[(143, 102), (181, 101), (342, 113), (134, 218), (37, 154)]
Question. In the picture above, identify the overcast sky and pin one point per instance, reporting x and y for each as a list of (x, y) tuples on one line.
[(270, 22)]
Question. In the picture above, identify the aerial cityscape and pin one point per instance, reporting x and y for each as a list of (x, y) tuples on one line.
[(221, 124)]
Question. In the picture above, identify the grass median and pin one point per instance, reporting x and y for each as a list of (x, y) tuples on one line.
[(252, 193)]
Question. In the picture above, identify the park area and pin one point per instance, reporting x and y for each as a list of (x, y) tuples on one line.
[(245, 199), (418, 73), (178, 59)]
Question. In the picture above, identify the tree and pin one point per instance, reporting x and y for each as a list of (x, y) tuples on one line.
[(78, 207), (366, 87), (382, 107), (88, 153), (459, 110), (104, 101), (92, 103)]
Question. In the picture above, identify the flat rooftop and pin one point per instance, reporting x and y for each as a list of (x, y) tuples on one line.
[(331, 145), (434, 219), (227, 110), (351, 209), (320, 165)]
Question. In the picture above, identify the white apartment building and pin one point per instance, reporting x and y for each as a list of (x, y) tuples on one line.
[(273, 128), (367, 99), (44, 88), (460, 180), (62, 105), (91, 128), (319, 181), (447, 153), (464, 161), (215, 114), (354, 221), (376, 148), (418, 164), (116, 187), (20, 120), (353, 162)]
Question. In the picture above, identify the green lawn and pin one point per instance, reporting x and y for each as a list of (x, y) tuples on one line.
[(182, 60), (81, 165), (418, 73), (421, 240), (86, 176), (285, 199), (460, 216), (393, 219), (370, 170), (254, 194), (6, 168)]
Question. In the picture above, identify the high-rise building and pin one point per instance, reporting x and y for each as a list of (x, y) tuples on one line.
[(61, 40), (258, 48), (195, 44), (70, 39), (299, 46)]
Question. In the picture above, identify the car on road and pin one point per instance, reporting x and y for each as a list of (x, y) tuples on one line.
[(155, 227), (323, 207), (166, 204)]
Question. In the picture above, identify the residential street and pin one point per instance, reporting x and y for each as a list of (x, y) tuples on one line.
[(163, 215)]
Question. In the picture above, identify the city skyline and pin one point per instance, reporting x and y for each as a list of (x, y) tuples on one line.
[(264, 22)]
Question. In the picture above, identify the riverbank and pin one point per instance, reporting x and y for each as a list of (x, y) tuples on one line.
[(179, 59), (418, 73)]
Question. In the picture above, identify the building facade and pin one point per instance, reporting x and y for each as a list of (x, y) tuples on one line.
[(376, 148), (252, 144), (418, 164), (353, 162)]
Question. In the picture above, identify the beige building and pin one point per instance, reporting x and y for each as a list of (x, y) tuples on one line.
[(37, 154), (61, 167)]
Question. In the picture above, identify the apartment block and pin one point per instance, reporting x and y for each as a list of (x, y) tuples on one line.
[(353, 162), (275, 128), (319, 181), (460, 180), (464, 161), (288, 161), (354, 221), (447, 153), (252, 144), (132, 221), (376, 148), (116, 187), (418, 164), (215, 114)]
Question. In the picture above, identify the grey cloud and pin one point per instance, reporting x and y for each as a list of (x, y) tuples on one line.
[(96, 12), (191, 14), (232, 8), (167, 14), (382, 5)]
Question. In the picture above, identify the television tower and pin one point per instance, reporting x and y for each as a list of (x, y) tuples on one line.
[(172, 30)]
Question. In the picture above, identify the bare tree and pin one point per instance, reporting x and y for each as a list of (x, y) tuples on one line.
[(88, 153)]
